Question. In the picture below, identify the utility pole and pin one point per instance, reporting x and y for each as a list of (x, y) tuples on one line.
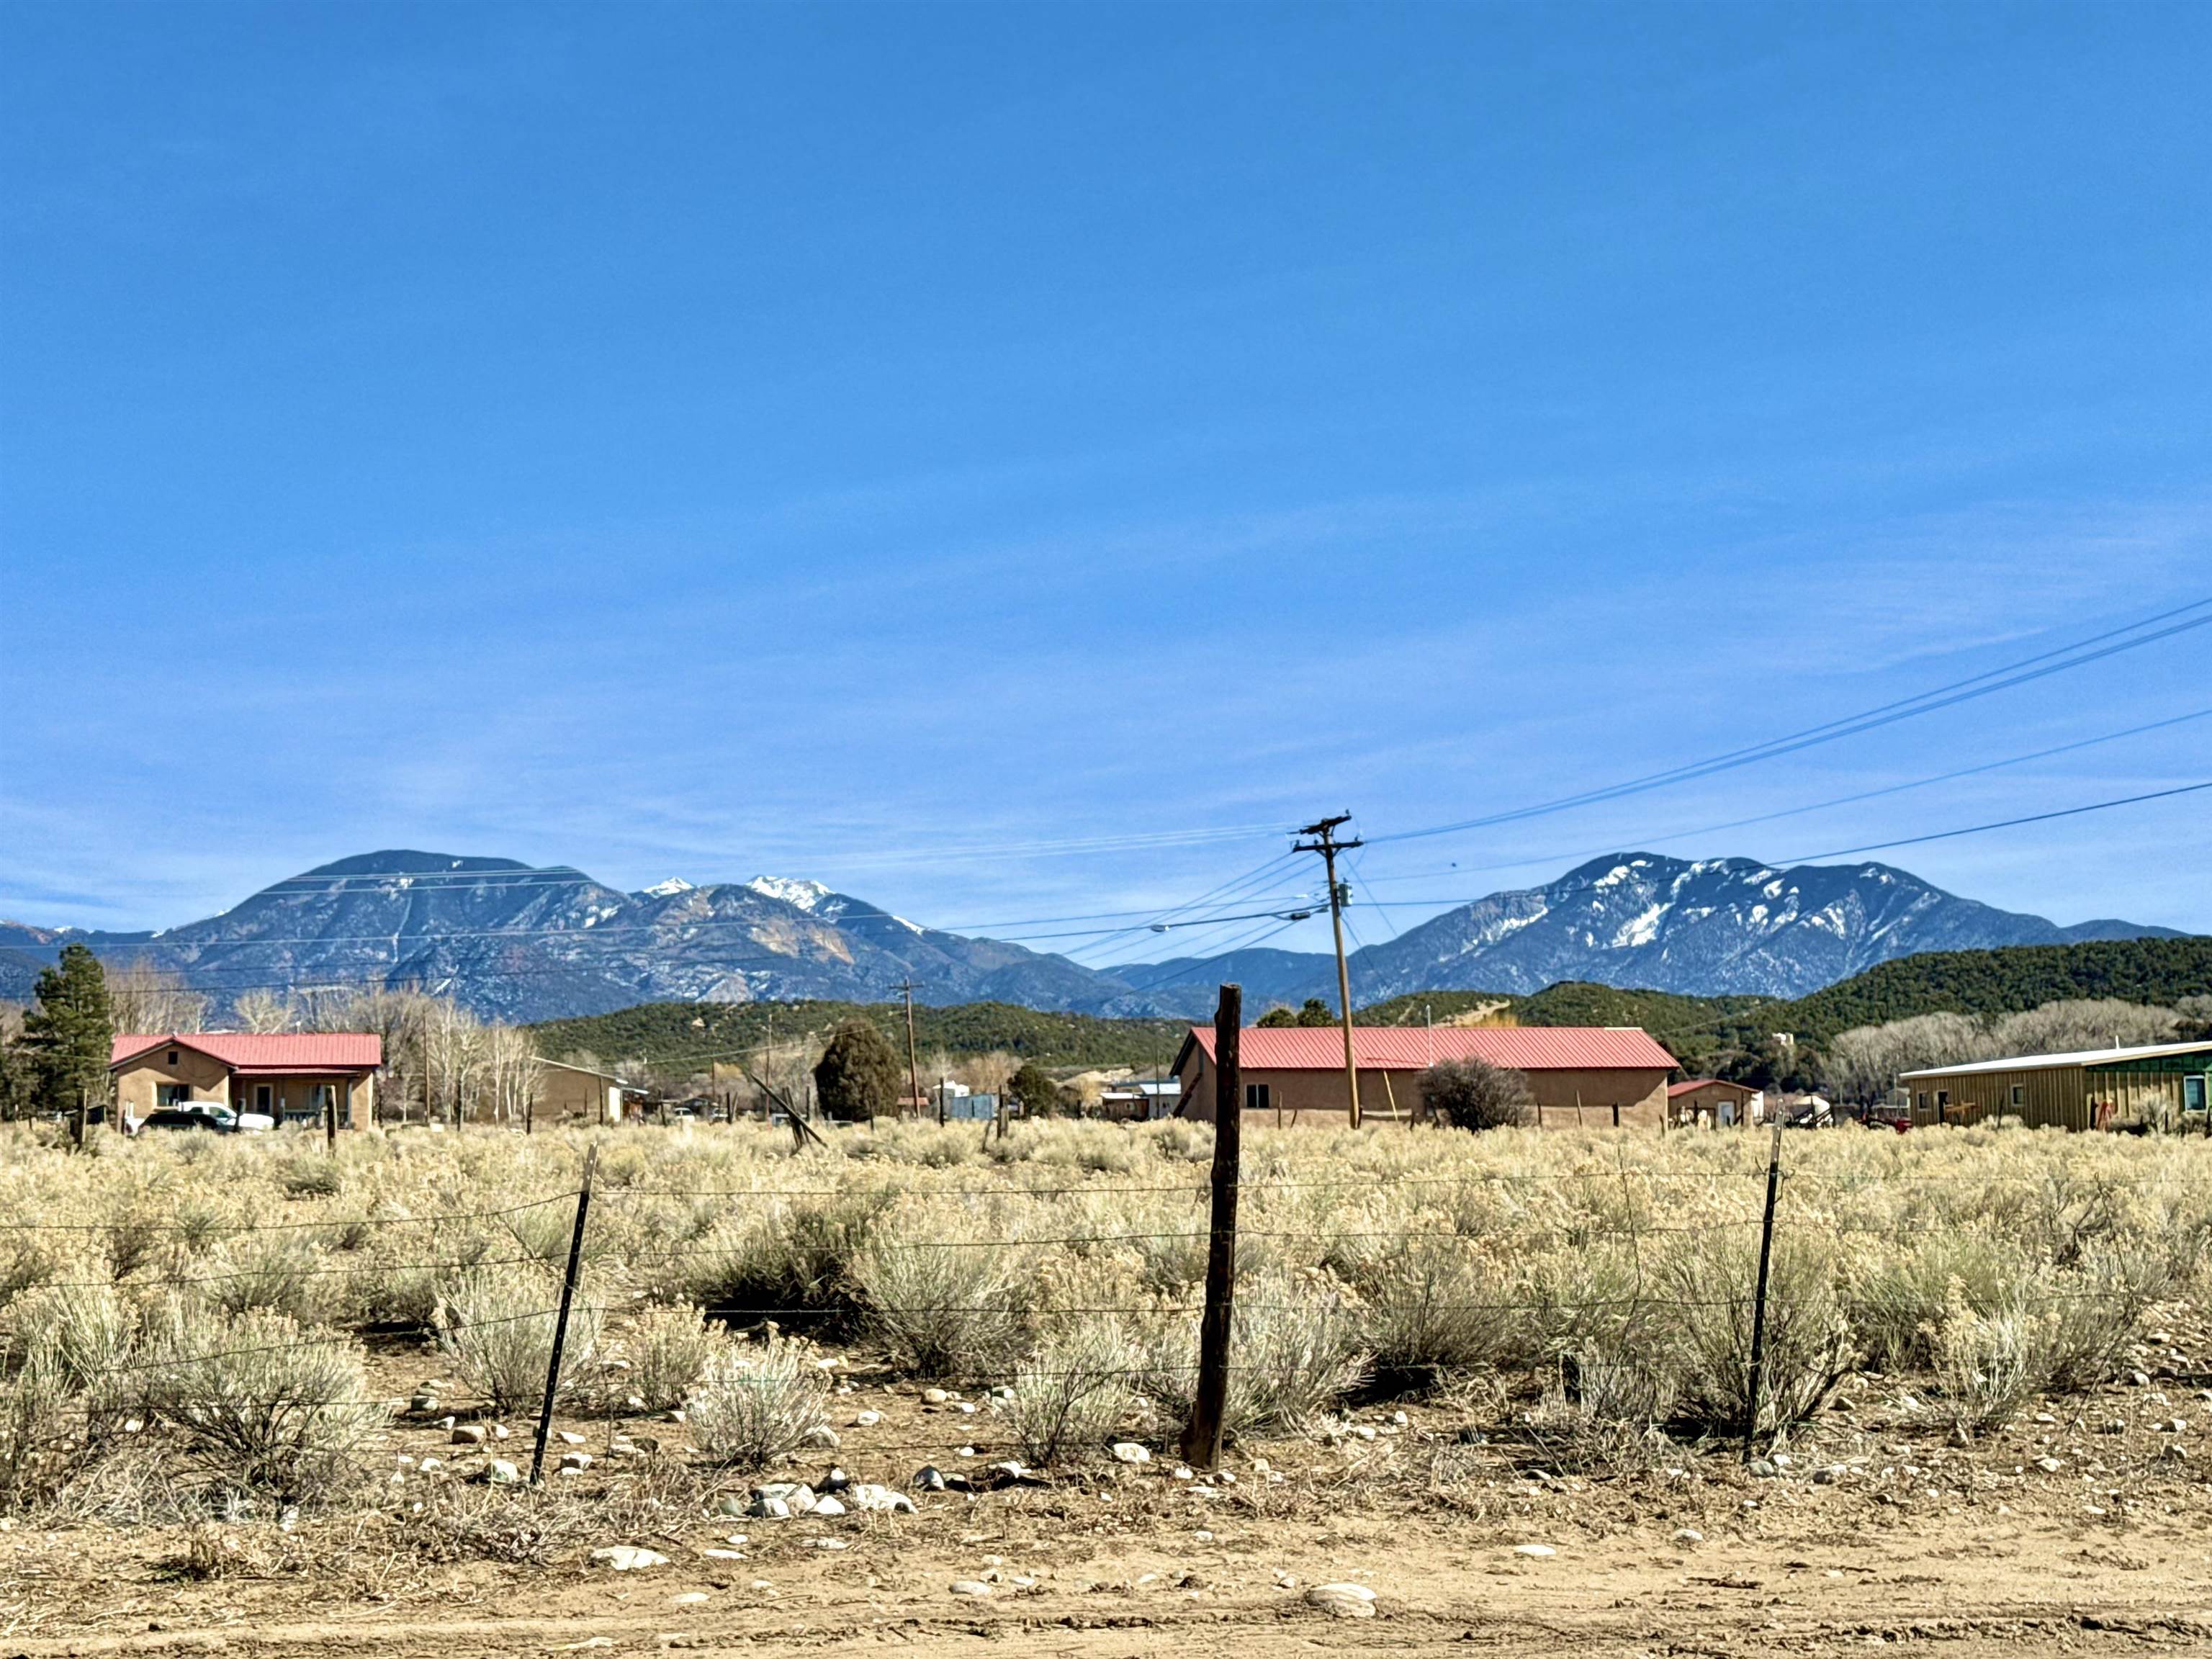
[(913, 1066), (1323, 840)]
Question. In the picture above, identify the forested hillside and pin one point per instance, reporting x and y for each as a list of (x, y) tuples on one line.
[(676, 1036), (1732, 1035)]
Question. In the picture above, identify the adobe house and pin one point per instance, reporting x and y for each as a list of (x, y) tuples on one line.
[(295, 1074), (1711, 1103), (1593, 1076)]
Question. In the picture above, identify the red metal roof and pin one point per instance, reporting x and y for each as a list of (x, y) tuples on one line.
[(1674, 1089), (267, 1052), (1412, 1047)]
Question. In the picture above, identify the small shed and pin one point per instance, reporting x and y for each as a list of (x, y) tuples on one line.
[(1711, 1103)]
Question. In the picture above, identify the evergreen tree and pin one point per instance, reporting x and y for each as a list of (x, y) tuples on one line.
[(69, 1032), (14, 1079), (1033, 1090), (858, 1076), (1315, 1012)]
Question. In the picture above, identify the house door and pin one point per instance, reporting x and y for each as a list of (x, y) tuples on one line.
[(265, 1099)]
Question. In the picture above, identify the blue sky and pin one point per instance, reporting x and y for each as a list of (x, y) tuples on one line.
[(946, 451)]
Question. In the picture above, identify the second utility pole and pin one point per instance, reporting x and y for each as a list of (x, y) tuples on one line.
[(913, 1067), (1324, 842)]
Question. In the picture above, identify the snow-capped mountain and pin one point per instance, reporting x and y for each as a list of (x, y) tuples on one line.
[(1711, 927), (514, 942)]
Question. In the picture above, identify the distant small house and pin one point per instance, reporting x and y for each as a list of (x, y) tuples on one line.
[(1595, 1077), (298, 1075), (578, 1094), (1711, 1103)]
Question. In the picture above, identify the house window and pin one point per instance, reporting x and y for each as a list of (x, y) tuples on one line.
[(172, 1056), (1255, 1097), (2019, 1095), (1920, 1100), (2192, 1093), (172, 1094)]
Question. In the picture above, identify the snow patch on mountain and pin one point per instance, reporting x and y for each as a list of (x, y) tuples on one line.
[(804, 895), (668, 888)]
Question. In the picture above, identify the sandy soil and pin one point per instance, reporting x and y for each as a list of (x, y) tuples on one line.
[(2089, 1533)]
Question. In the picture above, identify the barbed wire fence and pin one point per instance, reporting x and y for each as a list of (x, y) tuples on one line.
[(1754, 1206)]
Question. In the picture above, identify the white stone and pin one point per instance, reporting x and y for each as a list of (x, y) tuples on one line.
[(1533, 1549), (866, 1495), (1129, 1451), (1343, 1600), (971, 1587), (626, 1558), (688, 1598)]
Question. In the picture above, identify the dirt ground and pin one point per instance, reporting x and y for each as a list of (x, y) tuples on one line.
[(2086, 1528)]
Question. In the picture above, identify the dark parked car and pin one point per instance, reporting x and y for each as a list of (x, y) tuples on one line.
[(174, 1117)]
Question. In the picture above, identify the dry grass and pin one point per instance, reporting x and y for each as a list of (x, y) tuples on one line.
[(1605, 1277)]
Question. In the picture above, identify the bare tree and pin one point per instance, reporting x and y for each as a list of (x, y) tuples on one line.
[(452, 1059), (1861, 1064), (510, 1075), (263, 1011), (2059, 1028), (150, 1000)]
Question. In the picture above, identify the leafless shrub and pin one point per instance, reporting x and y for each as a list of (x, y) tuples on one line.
[(498, 1325), (754, 1406), (1296, 1353), (668, 1348), (1473, 1094), (1073, 1390), (940, 1293), (260, 1403)]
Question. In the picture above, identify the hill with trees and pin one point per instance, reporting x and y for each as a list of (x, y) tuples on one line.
[(680, 1036)]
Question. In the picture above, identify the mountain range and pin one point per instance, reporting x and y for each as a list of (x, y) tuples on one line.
[(517, 942)]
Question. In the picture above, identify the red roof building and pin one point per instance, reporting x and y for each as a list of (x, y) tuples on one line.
[(295, 1074), (1591, 1075)]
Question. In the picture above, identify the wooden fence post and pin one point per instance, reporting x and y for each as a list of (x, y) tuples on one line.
[(1202, 1436), (1757, 1379), (560, 1322)]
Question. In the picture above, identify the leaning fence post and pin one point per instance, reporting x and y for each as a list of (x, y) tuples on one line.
[(1202, 1436), (1758, 1305), (560, 1322)]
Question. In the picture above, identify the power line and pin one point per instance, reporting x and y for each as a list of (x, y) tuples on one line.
[(1666, 835), (2006, 824), (2043, 664)]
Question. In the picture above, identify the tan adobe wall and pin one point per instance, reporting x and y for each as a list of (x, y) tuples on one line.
[(1317, 1099), (1709, 1099), (566, 1096), (136, 1084)]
